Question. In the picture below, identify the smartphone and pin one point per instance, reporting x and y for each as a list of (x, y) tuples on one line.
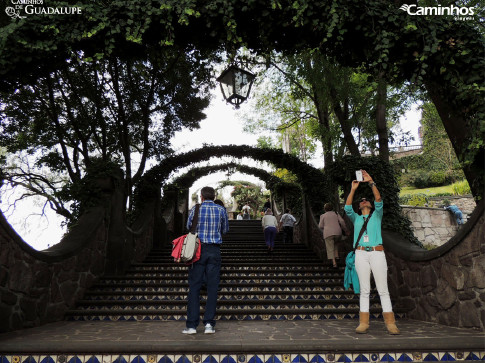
[(358, 175)]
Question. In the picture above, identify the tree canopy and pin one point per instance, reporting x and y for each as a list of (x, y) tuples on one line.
[(309, 98), (121, 111), (440, 53)]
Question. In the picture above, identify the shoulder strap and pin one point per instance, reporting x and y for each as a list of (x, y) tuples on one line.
[(195, 219), (338, 220), (364, 226)]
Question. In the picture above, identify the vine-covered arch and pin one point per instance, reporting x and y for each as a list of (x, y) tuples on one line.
[(285, 194), (316, 185), (312, 180), (186, 180)]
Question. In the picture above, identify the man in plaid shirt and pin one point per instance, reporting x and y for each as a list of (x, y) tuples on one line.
[(213, 222)]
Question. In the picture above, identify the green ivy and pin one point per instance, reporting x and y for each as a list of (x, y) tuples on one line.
[(437, 53), (342, 172), (91, 190), (312, 180), (316, 185)]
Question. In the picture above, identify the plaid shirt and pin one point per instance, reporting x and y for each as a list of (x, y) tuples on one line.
[(213, 221)]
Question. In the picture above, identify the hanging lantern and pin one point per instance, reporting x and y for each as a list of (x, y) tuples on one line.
[(235, 84)]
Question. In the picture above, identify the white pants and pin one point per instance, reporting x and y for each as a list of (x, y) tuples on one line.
[(374, 261)]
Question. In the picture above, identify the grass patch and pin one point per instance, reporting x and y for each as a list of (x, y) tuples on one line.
[(446, 189), (457, 188)]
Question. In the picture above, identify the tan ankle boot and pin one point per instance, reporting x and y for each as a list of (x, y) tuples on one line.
[(391, 323), (363, 323)]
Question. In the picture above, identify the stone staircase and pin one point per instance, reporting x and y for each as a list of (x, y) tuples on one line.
[(289, 284), (287, 307)]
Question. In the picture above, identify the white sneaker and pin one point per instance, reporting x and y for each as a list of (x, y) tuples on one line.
[(209, 329), (189, 331)]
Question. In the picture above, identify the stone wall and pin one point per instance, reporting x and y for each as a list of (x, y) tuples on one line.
[(466, 203), (36, 287), (142, 234), (431, 226), (445, 285), (435, 226)]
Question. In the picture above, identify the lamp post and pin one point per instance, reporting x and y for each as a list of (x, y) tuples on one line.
[(235, 84)]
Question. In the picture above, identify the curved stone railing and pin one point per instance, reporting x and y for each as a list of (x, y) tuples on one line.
[(446, 284), (37, 287)]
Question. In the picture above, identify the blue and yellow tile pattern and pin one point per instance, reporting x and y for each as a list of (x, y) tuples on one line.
[(251, 358)]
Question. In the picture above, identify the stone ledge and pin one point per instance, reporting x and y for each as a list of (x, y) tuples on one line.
[(402, 248), (72, 243)]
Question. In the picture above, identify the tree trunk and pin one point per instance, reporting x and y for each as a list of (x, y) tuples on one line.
[(323, 114), (381, 118), (327, 139), (460, 134), (344, 124)]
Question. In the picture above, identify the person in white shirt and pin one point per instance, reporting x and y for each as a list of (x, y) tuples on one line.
[(287, 221), (270, 228), (246, 209), (239, 217)]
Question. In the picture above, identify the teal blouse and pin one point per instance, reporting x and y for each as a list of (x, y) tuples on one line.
[(373, 226)]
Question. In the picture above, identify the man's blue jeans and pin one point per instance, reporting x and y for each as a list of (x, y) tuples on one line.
[(210, 264), (459, 218)]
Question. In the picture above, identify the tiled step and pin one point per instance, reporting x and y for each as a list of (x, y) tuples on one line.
[(223, 313), (287, 279), (238, 273), (283, 250), (289, 284), (247, 287), (235, 295), (238, 266), (246, 259), (236, 304)]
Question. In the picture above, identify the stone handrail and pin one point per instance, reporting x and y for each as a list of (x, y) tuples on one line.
[(38, 287), (403, 249), (444, 285)]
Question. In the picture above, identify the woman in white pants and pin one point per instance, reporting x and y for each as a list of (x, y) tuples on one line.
[(369, 255)]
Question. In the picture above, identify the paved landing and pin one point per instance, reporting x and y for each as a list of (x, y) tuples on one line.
[(276, 337)]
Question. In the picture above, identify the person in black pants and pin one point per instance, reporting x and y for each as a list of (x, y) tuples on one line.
[(287, 222), (212, 223)]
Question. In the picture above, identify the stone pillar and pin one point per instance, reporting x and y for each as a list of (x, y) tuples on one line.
[(159, 227), (118, 248)]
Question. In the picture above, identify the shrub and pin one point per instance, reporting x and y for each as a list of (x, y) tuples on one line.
[(416, 200), (420, 179), (425, 179), (437, 178), (460, 188)]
